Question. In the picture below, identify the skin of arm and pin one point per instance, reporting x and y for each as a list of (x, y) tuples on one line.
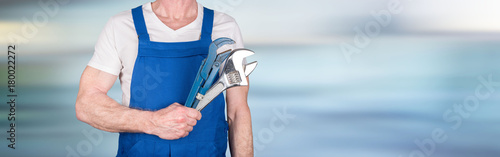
[(240, 122), (95, 108)]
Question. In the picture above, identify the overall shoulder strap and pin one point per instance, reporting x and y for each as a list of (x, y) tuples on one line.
[(208, 21), (139, 23)]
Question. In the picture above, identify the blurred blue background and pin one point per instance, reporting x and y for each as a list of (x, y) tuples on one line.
[(307, 96)]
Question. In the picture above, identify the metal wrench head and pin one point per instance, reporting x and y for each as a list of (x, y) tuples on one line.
[(219, 42), (212, 54), (234, 70)]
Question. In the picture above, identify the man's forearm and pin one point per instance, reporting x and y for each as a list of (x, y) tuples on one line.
[(100, 111), (240, 132)]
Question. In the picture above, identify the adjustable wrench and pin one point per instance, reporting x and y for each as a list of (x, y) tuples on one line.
[(234, 74)]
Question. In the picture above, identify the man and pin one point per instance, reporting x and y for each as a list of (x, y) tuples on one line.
[(156, 50)]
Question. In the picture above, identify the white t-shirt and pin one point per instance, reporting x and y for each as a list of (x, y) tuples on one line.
[(117, 46)]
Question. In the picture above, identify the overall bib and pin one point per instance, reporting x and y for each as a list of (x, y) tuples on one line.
[(163, 74)]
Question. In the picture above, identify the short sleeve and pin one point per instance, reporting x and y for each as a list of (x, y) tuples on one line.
[(105, 56), (226, 26), (237, 37)]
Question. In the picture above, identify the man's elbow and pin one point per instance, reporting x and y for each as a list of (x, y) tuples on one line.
[(241, 109), (80, 111)]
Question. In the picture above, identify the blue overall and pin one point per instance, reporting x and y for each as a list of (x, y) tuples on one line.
[(163, 74)]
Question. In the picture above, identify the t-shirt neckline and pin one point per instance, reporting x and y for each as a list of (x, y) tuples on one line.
[(157, 20)]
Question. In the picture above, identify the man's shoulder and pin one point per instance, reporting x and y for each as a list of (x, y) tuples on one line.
[(221, 18), (121, 17)]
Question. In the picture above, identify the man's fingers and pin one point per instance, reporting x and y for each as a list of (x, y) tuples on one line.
[(191, 122), (189, 128), (176, 104), (193, 113)]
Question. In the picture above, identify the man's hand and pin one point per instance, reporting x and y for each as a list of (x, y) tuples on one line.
[(173, 122)]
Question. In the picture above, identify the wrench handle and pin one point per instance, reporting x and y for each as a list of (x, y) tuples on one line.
[(213, 92)]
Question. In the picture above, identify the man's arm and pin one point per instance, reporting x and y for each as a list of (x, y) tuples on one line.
[(95, 108), (240, 122)]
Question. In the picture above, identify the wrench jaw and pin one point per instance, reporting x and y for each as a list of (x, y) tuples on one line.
[(235, 70), (250, 67), (212, 54), (219, 42)]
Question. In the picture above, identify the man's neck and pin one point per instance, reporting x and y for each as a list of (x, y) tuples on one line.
[(175, 9)]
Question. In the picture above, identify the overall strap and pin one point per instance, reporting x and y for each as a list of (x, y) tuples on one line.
[(140, 24), (208, 22)]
